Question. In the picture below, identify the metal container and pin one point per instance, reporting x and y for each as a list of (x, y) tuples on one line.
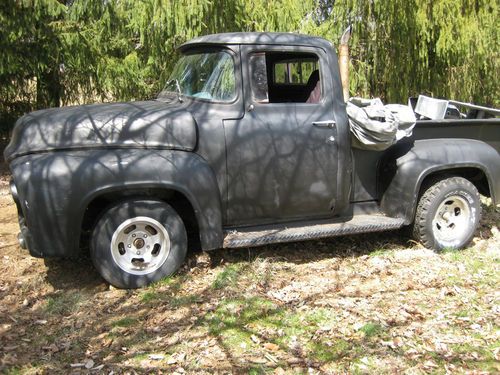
[(434, 109)]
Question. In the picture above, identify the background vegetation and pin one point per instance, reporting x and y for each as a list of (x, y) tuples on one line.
[(57, 52)]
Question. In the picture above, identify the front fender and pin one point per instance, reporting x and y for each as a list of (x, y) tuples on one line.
[(405, 166), (56, 188)]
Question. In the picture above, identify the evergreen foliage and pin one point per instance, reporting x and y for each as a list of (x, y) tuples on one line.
[(59, 52)]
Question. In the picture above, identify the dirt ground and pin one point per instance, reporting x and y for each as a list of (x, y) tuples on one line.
[(373, 303)]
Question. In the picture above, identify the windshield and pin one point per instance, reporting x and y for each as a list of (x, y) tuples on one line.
[(207, 75)]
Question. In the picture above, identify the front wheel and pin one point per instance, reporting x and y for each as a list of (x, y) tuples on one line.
[(138, 242), (447, 214)]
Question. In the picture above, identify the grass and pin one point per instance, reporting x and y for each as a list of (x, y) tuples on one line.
[(186, 300), (479, 357), (236, 321), (379, 252), (150, 296), (483, 266), (325, 305), (125, 322), (162, 290), (229, 276), (63, 304), (371, 329), (25, 370)]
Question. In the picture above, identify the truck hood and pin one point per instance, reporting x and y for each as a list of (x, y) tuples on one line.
[(148, 124)]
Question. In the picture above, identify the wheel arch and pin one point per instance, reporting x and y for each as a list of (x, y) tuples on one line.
[(475, 174), (171, 195), (183, 180)]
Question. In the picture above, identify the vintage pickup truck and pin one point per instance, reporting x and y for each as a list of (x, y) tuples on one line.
[(238, 152)]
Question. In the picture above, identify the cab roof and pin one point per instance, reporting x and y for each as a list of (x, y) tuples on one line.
[(257, 38)]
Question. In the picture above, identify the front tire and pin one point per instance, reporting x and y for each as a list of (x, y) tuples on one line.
[(447, 214), (138, 242)]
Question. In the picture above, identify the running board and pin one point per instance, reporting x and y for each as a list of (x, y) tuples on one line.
[(251, 237)]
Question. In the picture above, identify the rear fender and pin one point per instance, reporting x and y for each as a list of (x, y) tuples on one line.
[(406, 165)]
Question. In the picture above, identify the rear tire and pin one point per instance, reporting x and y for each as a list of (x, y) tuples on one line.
[(447, 214), (138, 242)]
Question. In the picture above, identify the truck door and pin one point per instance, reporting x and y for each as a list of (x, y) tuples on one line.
[(282, 156)]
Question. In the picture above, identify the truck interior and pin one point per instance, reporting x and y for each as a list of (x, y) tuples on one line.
[(285, 77)]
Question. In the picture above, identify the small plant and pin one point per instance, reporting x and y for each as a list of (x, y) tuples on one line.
[(371, 329)]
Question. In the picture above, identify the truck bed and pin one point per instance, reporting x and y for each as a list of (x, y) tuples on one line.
[(366, 162)]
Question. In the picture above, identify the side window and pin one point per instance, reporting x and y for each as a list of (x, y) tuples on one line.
[(285, 77)]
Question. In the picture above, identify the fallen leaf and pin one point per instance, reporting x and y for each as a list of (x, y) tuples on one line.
[(156, 357), (496, 354), (357, 326), (441, 347), (51, 348), (365, 360), (257, 360), (270, 357), (89, 364), (430, 364), (172, 360), (10, 348), (255, 339), (397, 341), (270, 346)]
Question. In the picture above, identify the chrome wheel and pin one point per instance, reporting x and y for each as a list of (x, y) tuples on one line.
[(452, 219), (140, 245)]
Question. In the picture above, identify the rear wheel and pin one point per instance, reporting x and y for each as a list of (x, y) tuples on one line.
[(138, 242), (447, 214)]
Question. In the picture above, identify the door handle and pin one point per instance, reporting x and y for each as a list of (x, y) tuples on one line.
[(325, 124)]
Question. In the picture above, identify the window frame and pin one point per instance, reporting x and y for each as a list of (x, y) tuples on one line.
[(237, 77), (298, 50)]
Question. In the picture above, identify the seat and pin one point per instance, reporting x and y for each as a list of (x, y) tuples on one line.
[(313, 88)]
